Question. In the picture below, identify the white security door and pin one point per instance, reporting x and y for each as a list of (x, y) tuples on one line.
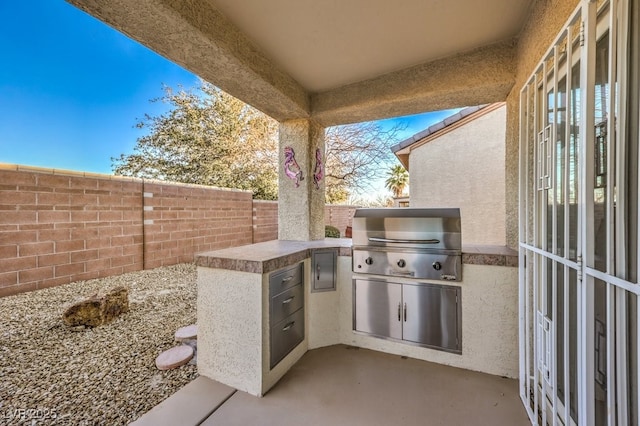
[(579, 222)]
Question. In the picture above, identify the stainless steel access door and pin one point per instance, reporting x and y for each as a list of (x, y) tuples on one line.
[(378, 308), (420, 313), (431, 315)]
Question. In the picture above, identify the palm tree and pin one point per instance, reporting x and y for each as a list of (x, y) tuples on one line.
[(397, 179)]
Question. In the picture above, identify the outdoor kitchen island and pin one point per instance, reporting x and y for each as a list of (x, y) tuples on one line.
[(234, 325)]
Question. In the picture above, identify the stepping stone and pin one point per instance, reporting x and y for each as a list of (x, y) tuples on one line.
[(174, 357), (187, 333), (194, 344)]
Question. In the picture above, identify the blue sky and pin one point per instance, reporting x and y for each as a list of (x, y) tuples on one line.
[(71, 88)]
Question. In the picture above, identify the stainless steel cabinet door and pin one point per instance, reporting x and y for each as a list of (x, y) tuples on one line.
[(430, 316), (378, 308), (323, 266)]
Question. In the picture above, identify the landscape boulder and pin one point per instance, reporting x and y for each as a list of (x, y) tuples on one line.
[(97, 310)]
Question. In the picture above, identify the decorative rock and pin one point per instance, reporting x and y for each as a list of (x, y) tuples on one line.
[(187, 333), (116, 303), (174, 357), (86, 312), (95, 311)]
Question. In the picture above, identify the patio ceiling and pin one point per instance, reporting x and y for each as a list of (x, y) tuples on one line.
[(335, 61)]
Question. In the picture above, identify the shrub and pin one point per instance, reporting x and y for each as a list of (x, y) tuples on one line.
[(331, 232)]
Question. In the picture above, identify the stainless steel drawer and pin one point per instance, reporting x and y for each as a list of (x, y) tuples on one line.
[(286, 303), (286, 335), (287, 278)]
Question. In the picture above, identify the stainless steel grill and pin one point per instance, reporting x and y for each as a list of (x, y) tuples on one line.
[(418, 245), (408, 242)]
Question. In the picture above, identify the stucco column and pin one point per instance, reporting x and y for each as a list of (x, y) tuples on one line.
[(301, 181)]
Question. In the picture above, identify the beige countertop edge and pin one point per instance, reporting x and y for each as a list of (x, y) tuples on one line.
[(269, 256), (262, 258)]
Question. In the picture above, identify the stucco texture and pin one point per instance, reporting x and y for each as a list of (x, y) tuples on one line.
[(465, 168), (543, 24), (301, 208), (234, 330), (480, 76), (324, 310), (230, 333)]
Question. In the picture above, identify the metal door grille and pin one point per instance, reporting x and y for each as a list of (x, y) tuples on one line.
[(578, 272)]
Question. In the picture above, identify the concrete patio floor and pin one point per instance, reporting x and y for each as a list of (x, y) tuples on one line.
[(342, 385)]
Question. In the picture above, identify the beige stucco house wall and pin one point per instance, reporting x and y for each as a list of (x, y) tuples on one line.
[(461, 163)]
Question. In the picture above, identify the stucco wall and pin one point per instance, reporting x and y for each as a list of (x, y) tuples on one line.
[(543, 24), (465, 168), (234, 336), (230, 334), (325, 309), (301, 216)]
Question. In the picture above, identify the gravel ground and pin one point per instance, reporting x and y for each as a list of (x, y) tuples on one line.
[(51, 374)]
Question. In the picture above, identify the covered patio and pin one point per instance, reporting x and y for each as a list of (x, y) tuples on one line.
[(568, 71), (344, 385), (311, 66)]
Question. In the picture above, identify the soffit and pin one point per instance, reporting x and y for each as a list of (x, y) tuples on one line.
[(334, 61), (327, 44)]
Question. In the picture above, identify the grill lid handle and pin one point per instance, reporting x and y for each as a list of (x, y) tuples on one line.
[(390, 240)]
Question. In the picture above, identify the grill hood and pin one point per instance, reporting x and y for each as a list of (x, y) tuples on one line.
[(431, 229)]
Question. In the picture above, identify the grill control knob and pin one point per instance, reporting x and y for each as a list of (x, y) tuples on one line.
[(402, 263), (368, 260), (437, 266)]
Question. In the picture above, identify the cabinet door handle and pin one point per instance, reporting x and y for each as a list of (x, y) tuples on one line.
[(289, 278), (284, 302), (288, 326), (318, 272), (405, 312), (399, 311)]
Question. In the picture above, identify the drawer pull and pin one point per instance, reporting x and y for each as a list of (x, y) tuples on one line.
[(288, 326), (287, 301), (289, 278)]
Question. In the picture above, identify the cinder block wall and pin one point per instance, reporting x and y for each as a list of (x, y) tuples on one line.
[(182, 220), (58, 227), (265, 221), (339, 216)]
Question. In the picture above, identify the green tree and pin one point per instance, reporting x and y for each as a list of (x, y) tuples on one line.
[(211, 138), (397, 180), (207, 137)]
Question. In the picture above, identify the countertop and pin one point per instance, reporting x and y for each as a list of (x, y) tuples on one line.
[(262, 258), (489, 255)]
